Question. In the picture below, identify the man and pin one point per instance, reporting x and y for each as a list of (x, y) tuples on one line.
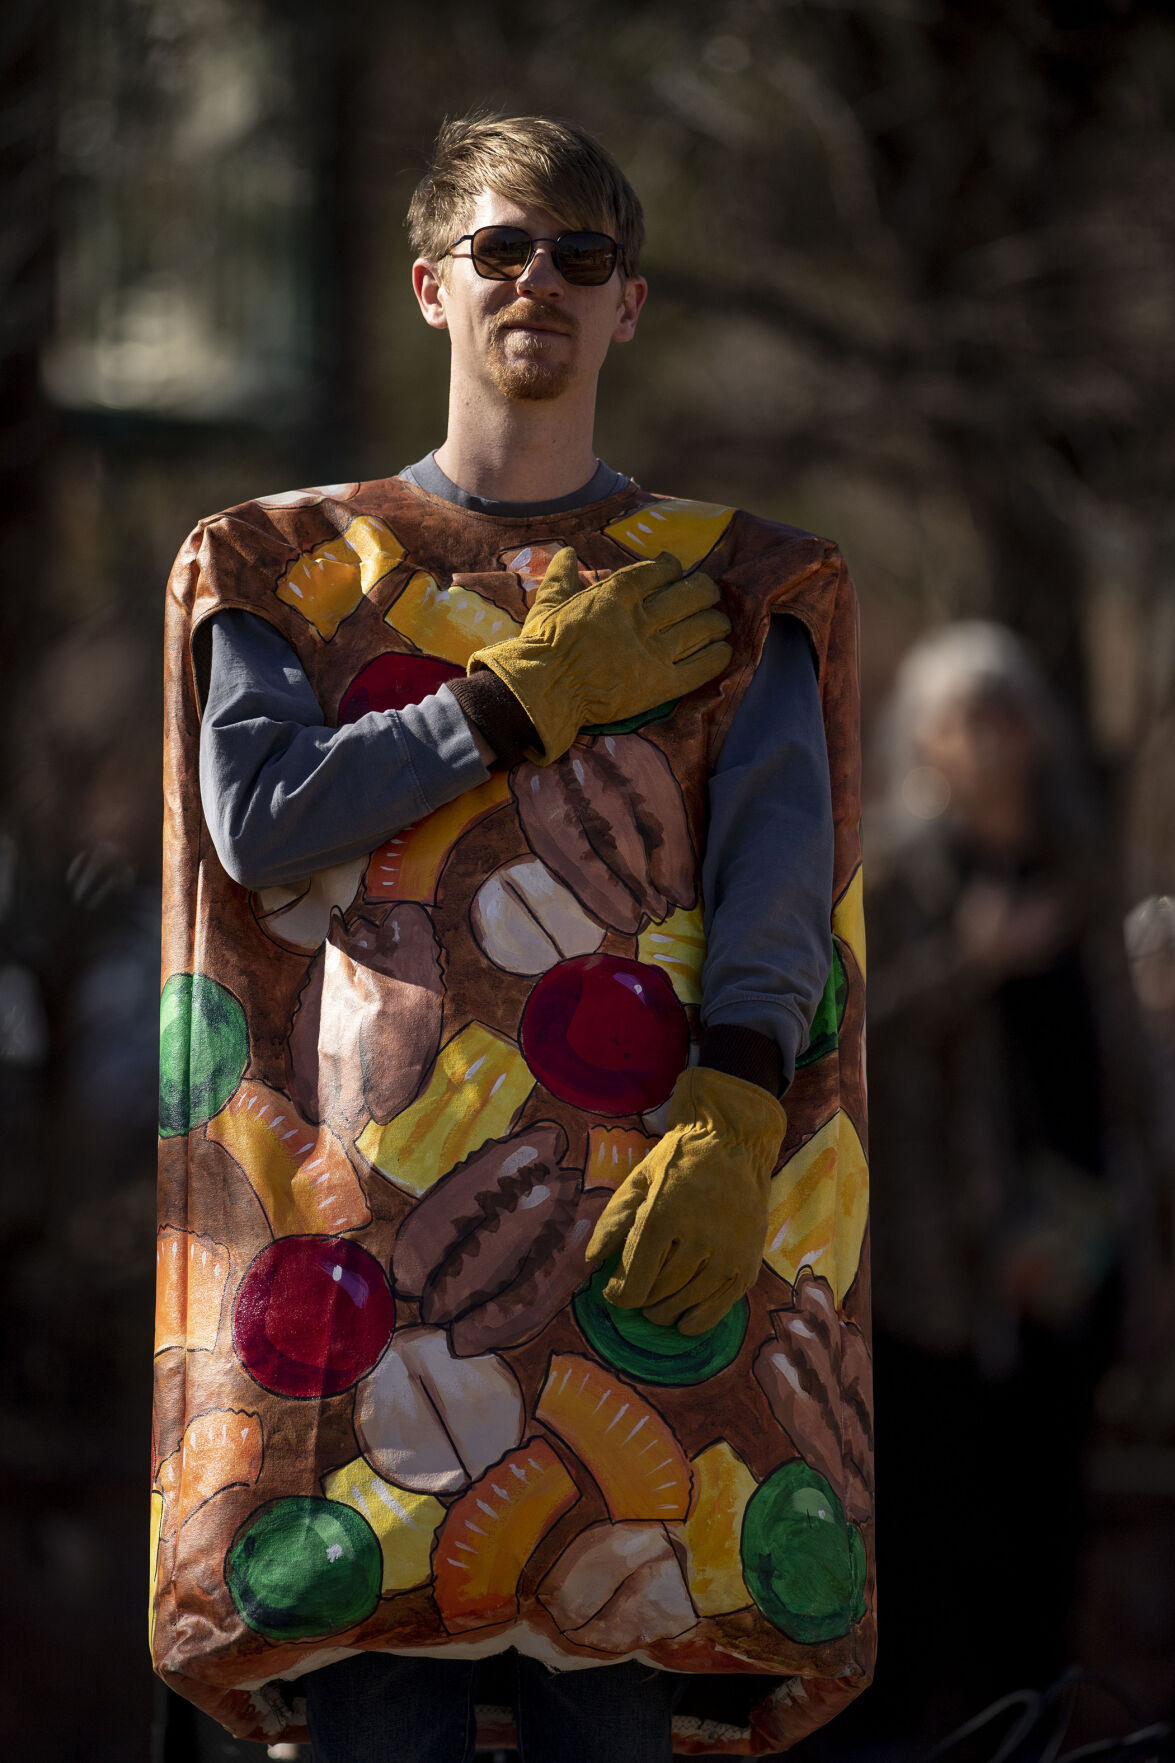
[(484, 1329)]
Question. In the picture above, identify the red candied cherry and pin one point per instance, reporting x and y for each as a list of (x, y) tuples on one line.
[(392, 681), (605, 1034), (312, 1316)]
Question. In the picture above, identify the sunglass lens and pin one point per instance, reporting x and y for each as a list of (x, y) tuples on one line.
[(585, 258), (500, 252)]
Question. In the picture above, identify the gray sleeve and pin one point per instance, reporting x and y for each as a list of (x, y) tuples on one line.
[(284, 795), (767, 872)]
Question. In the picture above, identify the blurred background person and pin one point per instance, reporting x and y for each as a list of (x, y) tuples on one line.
[(1136, 1400), (994, 1215), (1150, 949)]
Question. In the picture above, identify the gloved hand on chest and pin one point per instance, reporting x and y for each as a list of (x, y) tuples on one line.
[(691, 1219), (599, 654)]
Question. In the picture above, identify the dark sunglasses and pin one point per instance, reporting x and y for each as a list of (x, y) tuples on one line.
[(501, 253)]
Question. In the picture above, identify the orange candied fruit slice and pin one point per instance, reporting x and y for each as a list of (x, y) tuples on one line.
[(408, 866), (191, 1273), (220, 1449), (613, 1153), (300, 1173), (634, 1458), (492, 1531)]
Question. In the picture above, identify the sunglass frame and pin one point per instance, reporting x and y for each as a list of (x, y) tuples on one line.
[(512, 273)]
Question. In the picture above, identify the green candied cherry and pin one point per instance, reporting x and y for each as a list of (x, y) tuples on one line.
[(304, 1567), (648, 1351), (628, 723), (803, 1562), (830, 1012), (203, 1051)]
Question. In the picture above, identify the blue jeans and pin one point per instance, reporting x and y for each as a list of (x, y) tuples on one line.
[(389, 1708)]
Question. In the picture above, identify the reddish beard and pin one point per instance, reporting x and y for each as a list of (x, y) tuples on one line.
[(525, 366)]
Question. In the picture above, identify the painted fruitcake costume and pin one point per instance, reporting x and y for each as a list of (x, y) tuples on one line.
[(392, 1408)]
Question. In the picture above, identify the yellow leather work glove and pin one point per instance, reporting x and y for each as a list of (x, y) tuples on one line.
[(611, 650), (692, 1217)]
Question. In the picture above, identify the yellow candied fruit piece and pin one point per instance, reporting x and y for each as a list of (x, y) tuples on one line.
[(405, 1523), (678, 947), (613, 1154), (452, 623), (819, 1205), (688, 530), (325, 585), (478, 1084), (711, 1533), (848, 918), (153, 1591)]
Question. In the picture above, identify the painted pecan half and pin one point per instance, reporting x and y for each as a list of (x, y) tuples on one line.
[(609, 820), (818, 1379)]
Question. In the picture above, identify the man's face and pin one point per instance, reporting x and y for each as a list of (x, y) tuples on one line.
[(537, 336)]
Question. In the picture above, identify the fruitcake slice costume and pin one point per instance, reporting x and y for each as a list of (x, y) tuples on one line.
[(393, 1409)]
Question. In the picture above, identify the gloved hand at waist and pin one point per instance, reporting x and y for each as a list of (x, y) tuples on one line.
[(609, 651), (691, 1219)]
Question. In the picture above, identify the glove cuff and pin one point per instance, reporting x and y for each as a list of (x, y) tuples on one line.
[(541, 687), (743, 1052), (495, 712), (733, 1109)]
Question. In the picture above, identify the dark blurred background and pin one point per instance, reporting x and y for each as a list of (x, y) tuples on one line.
[(913, 276)]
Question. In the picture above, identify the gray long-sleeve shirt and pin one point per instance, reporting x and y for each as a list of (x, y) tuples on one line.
[(284, 795)]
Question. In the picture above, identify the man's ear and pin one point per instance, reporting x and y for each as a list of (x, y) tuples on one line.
[(428, 285), (631, 301)]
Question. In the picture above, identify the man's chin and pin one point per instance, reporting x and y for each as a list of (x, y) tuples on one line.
[(530, 381)]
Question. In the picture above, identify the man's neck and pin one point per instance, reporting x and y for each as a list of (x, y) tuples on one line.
[(520, 450)]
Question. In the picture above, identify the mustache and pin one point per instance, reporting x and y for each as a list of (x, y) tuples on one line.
[(533, 312)]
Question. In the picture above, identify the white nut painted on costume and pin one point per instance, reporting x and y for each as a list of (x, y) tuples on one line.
[(432, 1422), (617, 1587), (297, 915), (525, 920)]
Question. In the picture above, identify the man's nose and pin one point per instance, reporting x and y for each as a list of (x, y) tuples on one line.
[(540, 277)]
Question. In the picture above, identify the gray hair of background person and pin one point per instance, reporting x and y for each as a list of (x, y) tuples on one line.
[(976, 660)]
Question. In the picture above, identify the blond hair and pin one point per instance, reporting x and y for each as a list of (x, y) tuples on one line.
[(535, 159)]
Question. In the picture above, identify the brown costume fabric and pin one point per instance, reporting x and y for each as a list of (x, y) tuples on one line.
[(391, 1411)]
